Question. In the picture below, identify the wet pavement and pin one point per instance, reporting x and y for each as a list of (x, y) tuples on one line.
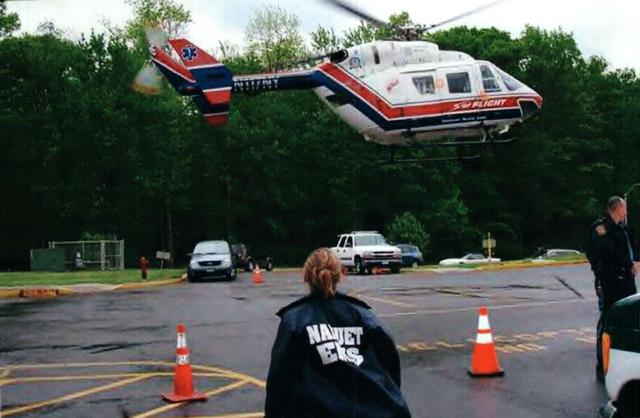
[(111, 354)]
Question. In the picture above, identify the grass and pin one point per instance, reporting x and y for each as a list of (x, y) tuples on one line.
[(35, 278)]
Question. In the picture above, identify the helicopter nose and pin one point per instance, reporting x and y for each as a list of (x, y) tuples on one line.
[(530, 106)]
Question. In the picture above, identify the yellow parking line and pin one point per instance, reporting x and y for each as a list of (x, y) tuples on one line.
[(45, 379), (382, 300), (76, 395), (235, 375), (213, 392), (96, 364), (238, 415), (5, 372)]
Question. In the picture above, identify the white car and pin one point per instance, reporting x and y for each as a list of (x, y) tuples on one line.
[(471, 258), (363, 250), (555, 254)]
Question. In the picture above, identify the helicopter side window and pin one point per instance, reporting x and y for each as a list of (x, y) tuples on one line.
[(459, 82), (424, 84), (488, 79)]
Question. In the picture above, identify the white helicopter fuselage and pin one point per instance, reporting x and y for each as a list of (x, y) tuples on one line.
[(400, 93), (393, 93)]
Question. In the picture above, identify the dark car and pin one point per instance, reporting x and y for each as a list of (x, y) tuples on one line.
[(211, 260), (411, 255), (242, 259), (621, 358)]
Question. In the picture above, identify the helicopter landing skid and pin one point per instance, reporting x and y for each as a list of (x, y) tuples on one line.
[(460, 158), (392, 160)]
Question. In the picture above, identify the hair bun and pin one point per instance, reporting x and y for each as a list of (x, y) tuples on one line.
[(325, 275)]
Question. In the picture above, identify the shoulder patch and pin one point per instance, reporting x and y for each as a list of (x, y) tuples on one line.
[(601, 230)]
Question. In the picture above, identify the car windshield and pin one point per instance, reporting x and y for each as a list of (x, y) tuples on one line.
[(473, 257), (211, 248), (372, 239)]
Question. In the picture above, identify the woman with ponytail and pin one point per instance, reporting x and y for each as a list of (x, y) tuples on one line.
[(331, 357)]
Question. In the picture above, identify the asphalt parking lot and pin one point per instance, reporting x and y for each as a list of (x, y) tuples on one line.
[(111, 354)]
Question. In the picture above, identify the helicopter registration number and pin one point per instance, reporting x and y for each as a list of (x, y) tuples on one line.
[(479, 104)]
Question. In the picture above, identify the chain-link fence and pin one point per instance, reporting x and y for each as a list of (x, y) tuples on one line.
[(92, 255)]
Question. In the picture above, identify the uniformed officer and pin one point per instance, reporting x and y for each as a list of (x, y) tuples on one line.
[(331, 357), (613, 258)]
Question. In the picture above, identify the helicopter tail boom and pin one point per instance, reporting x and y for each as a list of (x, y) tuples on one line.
[(214, 80)]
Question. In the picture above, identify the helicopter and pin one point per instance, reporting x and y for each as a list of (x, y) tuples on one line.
[(397, 92)]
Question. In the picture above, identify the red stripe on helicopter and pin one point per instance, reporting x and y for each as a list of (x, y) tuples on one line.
[(191, 55), (216, 119), (365, 93), (218, 96)]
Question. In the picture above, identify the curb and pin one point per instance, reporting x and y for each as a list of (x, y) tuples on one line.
[(53, 292), (154, 283), (502, 266), (518, 266)]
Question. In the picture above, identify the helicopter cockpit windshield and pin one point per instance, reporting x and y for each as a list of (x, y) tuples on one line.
[(510, 82)]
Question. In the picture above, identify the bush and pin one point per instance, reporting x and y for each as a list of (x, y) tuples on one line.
[(406, 228)]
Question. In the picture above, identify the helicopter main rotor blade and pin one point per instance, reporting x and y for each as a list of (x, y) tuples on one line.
[(357, 12), (460, 16)]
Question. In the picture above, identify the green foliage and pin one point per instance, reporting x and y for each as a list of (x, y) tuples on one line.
[(9, 22), (94, 236), (325, 40), (273, 35), (406, 228), (165, 15), (367, 32)]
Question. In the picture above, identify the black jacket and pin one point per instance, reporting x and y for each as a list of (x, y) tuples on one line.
[(610, 250), (332, 359)]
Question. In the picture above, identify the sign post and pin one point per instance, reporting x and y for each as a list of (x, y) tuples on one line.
[(162, 256), (490, 244)]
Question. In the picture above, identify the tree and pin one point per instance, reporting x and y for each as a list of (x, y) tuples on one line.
[(165, 15), (273, 36), (406, 228), (9, 22), (325, 41), (368, 32)]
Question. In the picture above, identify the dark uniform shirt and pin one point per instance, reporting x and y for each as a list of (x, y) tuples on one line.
[(332, 359), (611, 252)]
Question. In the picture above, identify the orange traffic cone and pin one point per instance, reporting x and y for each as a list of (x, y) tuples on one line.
[(484, 361), (257, 275), (183, 390)]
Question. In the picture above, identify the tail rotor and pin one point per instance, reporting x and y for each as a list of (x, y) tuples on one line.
[(149, 79)]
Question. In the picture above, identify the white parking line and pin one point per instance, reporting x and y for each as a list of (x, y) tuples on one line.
[(491, 307)]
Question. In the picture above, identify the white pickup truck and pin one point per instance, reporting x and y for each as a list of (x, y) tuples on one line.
[(363, 250)]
